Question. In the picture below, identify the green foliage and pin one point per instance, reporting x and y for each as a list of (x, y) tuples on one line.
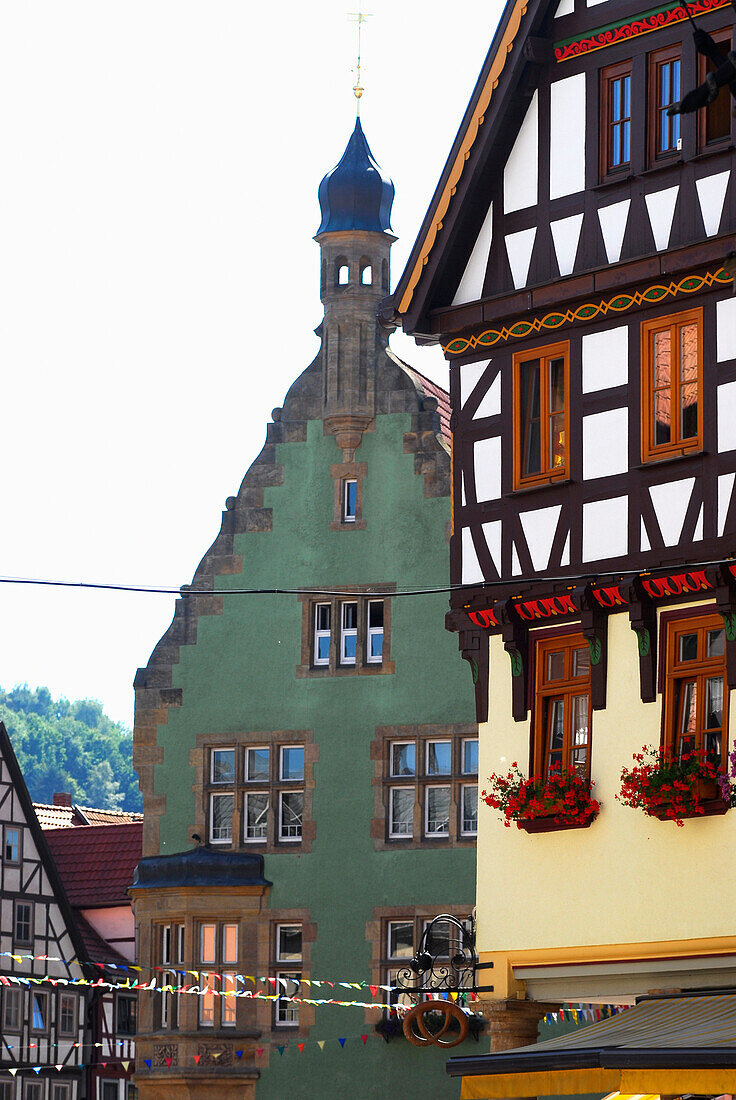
[(75, 747)]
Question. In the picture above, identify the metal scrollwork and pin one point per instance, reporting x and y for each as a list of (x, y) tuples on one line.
[(446, 960)]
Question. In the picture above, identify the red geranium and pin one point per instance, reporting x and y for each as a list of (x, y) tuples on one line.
[(669, 786), (562, 796)]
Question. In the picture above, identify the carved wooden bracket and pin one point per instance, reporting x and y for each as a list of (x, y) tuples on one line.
[(516, 643), (594, 627), (643, 621), (474, 649), (726, 607)]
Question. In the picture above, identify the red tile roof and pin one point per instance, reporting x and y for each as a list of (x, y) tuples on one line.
[(62, 817), (96, 862), (430, 389), (98, 950)]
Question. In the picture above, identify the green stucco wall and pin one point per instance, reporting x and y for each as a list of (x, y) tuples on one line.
[(241, 676)]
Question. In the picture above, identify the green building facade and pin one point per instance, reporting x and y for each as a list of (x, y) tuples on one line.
[(308, 759)]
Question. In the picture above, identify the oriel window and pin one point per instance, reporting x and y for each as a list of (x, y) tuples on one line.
[(562, 705), (696, 691), (541, 415), (672, 368)]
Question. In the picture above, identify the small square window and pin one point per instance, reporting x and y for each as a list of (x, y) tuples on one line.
[(11, 845), (61, 1092), (292, 762), (256, 815), (400, 939), (403, 758), (439, 758), (437, 818), (23, 924), (223, 766), (257, 764), (470, 756), (401, 813), (291, 812), (222, 807), (289, 943), (348, 633), (109, 1090), (349, 500)]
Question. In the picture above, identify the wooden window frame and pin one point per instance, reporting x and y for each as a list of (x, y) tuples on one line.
[(16, 995), (220, 971), (5, 857), (651, 452), (548, 474), (423, 780), (654, 61), (607, 76), (567, 687), (700, 620), (31, 919), (722, 37), (68, 1032), (337, 663)]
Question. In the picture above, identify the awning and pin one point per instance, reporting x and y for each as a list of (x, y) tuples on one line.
[(665, 1044)]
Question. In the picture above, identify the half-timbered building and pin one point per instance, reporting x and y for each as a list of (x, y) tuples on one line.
[(44, 1041), (571, 265)]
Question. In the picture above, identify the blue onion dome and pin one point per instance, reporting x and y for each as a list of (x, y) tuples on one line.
[(356, 194)]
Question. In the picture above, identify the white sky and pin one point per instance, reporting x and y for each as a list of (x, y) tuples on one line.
[(159, 285)]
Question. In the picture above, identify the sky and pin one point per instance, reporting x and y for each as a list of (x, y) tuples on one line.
[(159, 285)]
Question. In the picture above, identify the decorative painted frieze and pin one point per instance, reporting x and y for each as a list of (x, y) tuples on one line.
[(632, 28)]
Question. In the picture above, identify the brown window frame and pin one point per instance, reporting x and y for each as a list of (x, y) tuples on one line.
[(700, 669), (422, 779), (218, 974), (654, 61), (68, 998), (607, 77), (722, 37), (680, 445), (548, 472), (568, 687)]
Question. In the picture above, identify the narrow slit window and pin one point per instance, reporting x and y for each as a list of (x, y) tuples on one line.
[(343, 275), (349, 500)]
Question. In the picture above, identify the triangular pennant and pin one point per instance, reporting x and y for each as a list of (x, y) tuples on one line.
[(342, 1042), (197, 1057), (259, 1052), (300, 1047), (13, 1072), (365, 1039), (168, 1061), (281, 1050), (216, 1054), (148, 1061), (125, 1065), (374, 990), (321, 1044), (36, 1069), (238, 1054)]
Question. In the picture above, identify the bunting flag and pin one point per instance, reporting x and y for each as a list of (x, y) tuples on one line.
[(196, 1058), (321, 1044), (281, 1050), (342, 1042), (148, 1061), (365, 1039), (259, 1052), (301, 1047), (238, 1054)]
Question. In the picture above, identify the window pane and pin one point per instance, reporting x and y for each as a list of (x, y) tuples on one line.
[(402, 811), (11, 1009), (349, 616), (323, 648), (530, 426), (289, 943), (287, 1011), (470, 810), (400, 939), (223, 765), (228, 1003), (689, 380), (375, 613), (223, 806), (256, 815), (556, 665), (579, 753), (12, 845), (292, 762), (257, 765), (349, 647), (470, 757), (323, 616), (556, 407), (581, 661), (555, 736), (375, 649), (207, 943), (351, 498), (714, 702), (39, 1009), (662, 361), (688, 647), (206, 1003), (438, 810), (439, 758), (687, 715), (230, 943), (403, 759), (716, 641), (292, 808)]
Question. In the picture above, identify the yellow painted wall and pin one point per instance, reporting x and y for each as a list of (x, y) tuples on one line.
[(627, 879)]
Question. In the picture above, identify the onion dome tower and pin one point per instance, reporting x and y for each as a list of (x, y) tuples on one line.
[(355, 241)]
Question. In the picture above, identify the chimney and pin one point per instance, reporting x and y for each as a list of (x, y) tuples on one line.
[(62, 798)]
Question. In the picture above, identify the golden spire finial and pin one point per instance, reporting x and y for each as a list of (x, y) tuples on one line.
[(358, 17)]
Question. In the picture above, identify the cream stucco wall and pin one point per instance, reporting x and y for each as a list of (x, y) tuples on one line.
[(629, 878)]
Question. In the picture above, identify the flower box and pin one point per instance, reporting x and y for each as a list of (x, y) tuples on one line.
[(709, 799), (542, 804), (674, 787), (551, 824)]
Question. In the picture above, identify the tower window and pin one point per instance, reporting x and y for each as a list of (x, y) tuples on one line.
[(343, 273), (366, 275)]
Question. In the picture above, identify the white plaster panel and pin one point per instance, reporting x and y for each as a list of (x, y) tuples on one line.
[(698, 536), (463, 498), (470, 376), (605, 359), (644, 537), (565, 559), (661, 209), (515, 565), (567, 136), (487, 457), (491, 403), (726, 329), (521, 171), (471, 283), (613, 221), (670, 504), (492, 535), (605, 443), (605, 528), (565, 7), (595, 3), (519, 248), (725, 488), (727, 416), (540, 526), (711, 195), (471, 567), (566, 234)]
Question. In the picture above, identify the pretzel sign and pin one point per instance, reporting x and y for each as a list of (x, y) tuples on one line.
[(417, 1032)]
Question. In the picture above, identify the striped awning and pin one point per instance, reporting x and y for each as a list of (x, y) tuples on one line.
[(666, 1044)]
